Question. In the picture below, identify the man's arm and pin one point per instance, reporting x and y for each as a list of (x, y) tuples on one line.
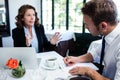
[(85, 58), (95, 75)]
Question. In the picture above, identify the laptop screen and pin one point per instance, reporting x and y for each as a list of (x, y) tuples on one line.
[(26, 54)]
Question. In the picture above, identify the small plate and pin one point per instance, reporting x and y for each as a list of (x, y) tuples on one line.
[(50, 68)]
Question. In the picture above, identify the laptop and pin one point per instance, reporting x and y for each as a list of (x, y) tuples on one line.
[(26, 54)]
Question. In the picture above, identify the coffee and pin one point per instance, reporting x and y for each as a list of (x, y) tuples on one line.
[(52, 59)]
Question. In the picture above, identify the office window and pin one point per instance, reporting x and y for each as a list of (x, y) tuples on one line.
[(54, 15), (60, 14), (75, 15), (47, 14), (118, 7)]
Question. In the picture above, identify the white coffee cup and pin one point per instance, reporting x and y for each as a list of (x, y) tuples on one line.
[(51, 62)]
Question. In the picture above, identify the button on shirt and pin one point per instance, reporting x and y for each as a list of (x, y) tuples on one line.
[(112, 54)]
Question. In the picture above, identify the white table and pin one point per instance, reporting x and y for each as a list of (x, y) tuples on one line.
[(45, 74)]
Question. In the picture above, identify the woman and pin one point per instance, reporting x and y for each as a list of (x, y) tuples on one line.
[(30, 33)]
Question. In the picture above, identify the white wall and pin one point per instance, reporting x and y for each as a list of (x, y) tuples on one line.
[(13, 10)]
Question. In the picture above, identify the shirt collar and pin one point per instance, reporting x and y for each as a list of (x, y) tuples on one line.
[(112, 35), (26, 31)]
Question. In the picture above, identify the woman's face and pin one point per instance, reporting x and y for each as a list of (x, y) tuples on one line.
[(29, 18), (90, 25)]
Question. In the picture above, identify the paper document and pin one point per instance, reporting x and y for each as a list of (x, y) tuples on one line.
[(91, 65)]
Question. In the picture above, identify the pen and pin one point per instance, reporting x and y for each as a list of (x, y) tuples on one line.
[(67, 53), (67, 56)]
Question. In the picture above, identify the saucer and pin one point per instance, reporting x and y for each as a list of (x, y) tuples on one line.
[(49, 68)]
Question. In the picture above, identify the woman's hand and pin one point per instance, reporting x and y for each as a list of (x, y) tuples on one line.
[(28, 39), (70, 60), (55, 38)]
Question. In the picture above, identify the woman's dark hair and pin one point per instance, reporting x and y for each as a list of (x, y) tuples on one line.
[(101, 10), (21, 13)]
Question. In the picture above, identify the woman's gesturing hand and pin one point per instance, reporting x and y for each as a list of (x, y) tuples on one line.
[(55, 38)]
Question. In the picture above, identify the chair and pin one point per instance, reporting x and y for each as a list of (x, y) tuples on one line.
[(82, 43), (1, 41), (63, 46), (67, 42)]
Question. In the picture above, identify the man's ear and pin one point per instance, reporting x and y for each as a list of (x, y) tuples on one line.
[(103, 26)]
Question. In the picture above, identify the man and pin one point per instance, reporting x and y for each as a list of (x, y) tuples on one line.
[(100, 18)]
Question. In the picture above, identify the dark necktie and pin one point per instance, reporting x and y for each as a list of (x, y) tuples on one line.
[(102, 55)]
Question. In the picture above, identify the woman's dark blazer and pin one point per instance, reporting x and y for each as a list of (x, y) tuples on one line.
[(18, 35)]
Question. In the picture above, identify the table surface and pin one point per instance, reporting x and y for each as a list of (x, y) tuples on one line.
[(60, 72)]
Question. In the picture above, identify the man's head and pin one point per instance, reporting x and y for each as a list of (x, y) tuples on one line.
[(101, 12)]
